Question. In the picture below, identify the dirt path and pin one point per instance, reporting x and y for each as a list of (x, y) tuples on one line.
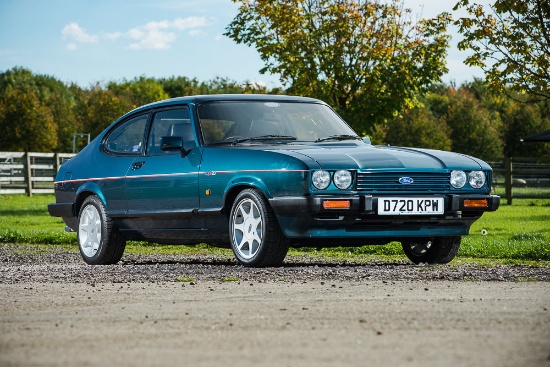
[(276, 323)]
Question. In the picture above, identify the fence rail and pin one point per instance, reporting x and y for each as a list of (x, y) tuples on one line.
[(29, 173), (33, 173)]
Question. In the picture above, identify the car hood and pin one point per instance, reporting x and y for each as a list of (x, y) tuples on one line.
[(367, 157)]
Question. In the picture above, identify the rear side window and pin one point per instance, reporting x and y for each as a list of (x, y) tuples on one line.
[(127, 138), (174, 122)]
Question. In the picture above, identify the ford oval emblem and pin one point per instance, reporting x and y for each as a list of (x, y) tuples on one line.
[(406, 180)]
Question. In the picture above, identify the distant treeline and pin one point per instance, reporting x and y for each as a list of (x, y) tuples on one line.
[(39, 113)]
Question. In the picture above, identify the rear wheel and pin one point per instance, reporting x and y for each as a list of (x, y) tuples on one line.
[(256, 238), (99, 241), (438, 250)]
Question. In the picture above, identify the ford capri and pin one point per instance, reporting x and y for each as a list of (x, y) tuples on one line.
[(259, 174)]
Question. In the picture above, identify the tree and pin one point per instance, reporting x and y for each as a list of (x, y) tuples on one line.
[(475, 130), (511, 43), (26, 125), (138, 91), (100, 108), (521, 120), (27, 122), (365, 58), (417, 128)]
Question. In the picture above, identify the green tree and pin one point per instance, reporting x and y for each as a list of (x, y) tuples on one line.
[(181, 86), (510, 41), (100, 108), (60, 100), (475, 130), (27, 121), (138, 91), (417, 128), (365, 58), (26, 124), (521, 120)]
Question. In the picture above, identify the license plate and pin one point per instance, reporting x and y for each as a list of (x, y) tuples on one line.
[(404, 206)]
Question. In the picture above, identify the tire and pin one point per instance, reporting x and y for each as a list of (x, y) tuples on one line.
[(256, 238), (99, 241), (438, 250)]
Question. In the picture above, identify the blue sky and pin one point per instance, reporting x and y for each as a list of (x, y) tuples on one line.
[(89, 41)]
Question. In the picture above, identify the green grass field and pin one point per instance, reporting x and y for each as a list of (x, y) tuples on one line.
[(516, 234)]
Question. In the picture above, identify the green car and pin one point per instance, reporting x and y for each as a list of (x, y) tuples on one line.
[(259, 174)]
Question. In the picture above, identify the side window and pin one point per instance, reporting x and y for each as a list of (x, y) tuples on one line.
[(127, 138), (174, 122)]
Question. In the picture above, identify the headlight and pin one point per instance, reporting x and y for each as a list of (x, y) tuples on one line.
[(342, 179), (458, 179), (476, 179), (320, 179)]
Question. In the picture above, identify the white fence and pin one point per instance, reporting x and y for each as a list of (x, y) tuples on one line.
[(29, 173)]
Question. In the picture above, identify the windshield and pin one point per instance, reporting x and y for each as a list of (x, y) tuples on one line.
[(251, 121)]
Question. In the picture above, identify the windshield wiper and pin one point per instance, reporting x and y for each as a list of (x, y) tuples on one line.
[(264, 137), (338, 137)]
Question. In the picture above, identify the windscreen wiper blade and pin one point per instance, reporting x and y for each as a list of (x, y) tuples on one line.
[(265, 137), (338, 137)]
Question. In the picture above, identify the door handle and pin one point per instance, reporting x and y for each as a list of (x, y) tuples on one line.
[(137, 165)]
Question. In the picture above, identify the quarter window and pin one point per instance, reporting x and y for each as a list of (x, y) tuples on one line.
[(127, 138)]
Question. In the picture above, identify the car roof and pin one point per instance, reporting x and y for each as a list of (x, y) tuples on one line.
[(228, 98)]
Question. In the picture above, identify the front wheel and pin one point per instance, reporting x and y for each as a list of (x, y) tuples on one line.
[(437, 250), (99, 240), (256, 238)]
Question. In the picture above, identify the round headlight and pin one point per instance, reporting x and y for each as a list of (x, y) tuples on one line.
[(342, 179), (476, 179), (320, 179), (458, 179)]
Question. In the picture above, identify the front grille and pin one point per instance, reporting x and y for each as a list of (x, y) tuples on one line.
[(389, 182)]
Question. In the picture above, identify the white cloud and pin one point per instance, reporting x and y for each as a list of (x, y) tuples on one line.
[(74, 32), (156, 35)]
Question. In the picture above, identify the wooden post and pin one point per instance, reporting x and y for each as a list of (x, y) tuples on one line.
[(28, 173), (508, 180), (56, 164)]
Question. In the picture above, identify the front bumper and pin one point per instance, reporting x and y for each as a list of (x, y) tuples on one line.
[(368, 204), (308, 217)]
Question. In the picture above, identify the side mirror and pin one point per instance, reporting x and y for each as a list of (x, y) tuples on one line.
[(173, 143), (366, 140)]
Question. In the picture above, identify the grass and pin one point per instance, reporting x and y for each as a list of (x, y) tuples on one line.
[(516, 234)]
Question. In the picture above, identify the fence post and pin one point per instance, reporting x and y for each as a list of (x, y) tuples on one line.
[(28, 173), (56, 163), (508, 180)]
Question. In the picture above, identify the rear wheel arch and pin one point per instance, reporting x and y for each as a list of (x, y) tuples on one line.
[(84, 192)]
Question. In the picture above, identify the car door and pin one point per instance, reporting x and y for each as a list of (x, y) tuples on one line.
[(162, 186), (120, 148)]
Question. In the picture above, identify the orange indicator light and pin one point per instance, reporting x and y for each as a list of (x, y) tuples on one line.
[(208, 192), (476, 203), (336, 204)]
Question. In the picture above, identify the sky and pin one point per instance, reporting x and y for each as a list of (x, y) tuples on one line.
[(97, 41)]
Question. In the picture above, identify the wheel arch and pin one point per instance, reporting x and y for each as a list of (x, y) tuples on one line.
[(86, 190), (238, 185)]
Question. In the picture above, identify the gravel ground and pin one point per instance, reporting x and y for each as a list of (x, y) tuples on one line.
[(208, 311), (57, 266)]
